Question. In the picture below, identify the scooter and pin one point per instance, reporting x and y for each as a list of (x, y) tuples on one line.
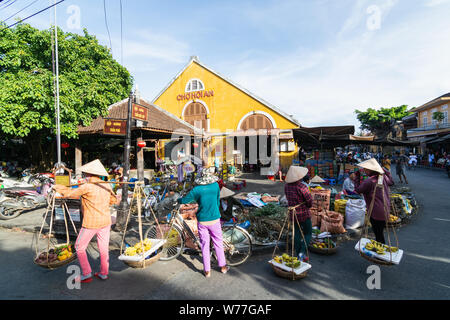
[(14, 202)]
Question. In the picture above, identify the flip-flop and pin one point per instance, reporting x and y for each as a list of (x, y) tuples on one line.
[(97, 274), (207, 274), (87, 280), (226, 270)]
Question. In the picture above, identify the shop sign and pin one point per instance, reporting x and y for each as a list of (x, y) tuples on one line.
[(195, 95), (139, 112), (115, 127)]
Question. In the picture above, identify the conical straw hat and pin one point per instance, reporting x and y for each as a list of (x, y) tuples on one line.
[(295, 173), (94, 167), (317, 179), (225, 192), (371, 164)]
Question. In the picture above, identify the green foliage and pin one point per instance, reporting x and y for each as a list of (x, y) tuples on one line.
[(380, 121), (438, 116), (89, 80)]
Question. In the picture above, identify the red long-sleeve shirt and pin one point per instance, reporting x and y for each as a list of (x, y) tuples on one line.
[(297, 193), (366, 189)]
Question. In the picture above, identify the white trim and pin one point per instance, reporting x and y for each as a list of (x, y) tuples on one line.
[(265, 103), (202, 103), (445, 106), (256, 112), (192, 79)]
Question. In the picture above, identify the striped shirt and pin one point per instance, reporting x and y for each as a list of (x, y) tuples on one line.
[(95, 202)]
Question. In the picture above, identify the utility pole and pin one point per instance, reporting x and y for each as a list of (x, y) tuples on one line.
[(58, 130), (123, 208)]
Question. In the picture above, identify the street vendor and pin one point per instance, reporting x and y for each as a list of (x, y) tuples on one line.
[(207, 194), (117, 171), (95, 200), (297, 194), (381, 207), (349, 184)]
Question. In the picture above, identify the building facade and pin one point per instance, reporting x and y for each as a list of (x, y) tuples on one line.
[(428, 128), (208, 100)]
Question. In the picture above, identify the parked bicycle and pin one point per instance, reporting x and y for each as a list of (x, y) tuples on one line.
[(237, 242)]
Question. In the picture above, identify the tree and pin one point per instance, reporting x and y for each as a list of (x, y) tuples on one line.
[(89, 80), (381, 122), (438, 116)]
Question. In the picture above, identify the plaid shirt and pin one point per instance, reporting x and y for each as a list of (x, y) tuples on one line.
[(297, 193), (95, 202)]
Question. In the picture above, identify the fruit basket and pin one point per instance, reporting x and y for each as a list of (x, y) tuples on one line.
[(394, 220), (289, 267), (56, 257), (323, 246), (379, 253), (137, 254)]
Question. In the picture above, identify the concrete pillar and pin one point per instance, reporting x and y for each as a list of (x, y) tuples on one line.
[(78, 160), (140, 161)]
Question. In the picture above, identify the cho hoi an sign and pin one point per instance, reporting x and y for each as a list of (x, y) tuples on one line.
[(195, 95), (115, 127), (139, 112)]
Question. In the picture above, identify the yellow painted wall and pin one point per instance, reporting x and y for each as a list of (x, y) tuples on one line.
[(226, 107), (429, 114)]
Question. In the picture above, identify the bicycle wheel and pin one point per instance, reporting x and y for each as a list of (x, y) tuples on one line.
[(175, 240), (9, 210), (237, 245)]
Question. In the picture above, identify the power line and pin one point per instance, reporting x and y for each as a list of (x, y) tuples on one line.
[(20, 11), (32, 15), (107, 29), (6, 5)]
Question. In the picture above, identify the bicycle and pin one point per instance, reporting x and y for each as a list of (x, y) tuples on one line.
[(237, 242)]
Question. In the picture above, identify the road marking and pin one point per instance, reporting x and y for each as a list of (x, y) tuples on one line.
[(441, 219), (445, 260)]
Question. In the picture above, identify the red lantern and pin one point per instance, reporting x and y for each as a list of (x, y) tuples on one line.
[(65, 145), (141, 144), (195, 145)]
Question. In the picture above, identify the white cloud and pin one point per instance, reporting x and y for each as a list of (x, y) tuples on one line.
[(434, 3), (400, 64)]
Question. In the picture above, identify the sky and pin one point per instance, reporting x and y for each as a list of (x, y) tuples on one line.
[(317, 60)]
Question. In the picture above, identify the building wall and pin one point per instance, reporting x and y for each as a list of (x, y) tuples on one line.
[(226, 107), (428, 114)]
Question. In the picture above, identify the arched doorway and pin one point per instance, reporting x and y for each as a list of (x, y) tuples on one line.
[(195, 112), (256, 121)]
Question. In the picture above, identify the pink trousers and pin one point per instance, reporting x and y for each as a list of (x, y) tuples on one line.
[(82, 243), (213, 232)]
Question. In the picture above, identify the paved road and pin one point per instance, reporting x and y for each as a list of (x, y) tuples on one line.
[(422, 274)]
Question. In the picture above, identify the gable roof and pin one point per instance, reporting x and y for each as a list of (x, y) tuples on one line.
[(434, 102), (159, 120), (267, 104)]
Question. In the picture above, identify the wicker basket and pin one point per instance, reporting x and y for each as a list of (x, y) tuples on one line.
[(57, 263), (325, 251), (376, 261), (144, 263), (288, 274)]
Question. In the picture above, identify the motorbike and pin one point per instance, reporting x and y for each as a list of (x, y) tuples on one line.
[(14, 202)]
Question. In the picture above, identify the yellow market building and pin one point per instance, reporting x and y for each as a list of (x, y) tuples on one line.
[(207, 100)]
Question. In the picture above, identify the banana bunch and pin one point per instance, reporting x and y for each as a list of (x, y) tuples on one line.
[(130, 251), (393, 218), (139, 247), (288, 261), (379, 248)]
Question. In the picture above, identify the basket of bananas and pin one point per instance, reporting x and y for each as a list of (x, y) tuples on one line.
[(394, 220), (323, 246), (378, 252), (289, 267), (142, 254)]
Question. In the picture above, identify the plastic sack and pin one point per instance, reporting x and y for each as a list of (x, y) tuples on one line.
[(315, 217), (332, 222), (355, 212)]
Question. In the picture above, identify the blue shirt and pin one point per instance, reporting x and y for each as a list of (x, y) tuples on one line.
[(208, 199)]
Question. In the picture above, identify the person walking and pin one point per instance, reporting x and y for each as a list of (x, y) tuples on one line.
[(207, 194), (298, 195), (399, 167), (96, 199), (379, 199)]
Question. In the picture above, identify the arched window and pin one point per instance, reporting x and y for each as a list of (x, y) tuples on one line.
[(256, 121), (194, 85), (195, 112)]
